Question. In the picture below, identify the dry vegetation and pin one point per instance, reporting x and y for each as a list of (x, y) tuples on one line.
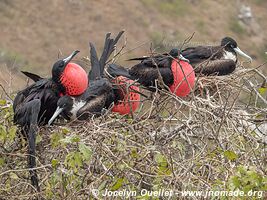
[(213, 140)]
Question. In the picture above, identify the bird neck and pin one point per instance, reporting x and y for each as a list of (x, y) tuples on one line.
[(60, 87)]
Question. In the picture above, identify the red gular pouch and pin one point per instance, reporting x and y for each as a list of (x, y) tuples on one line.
[(131, 99), (184, 78), (74, 78)]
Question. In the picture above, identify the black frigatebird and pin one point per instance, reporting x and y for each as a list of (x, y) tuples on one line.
[(221, 60), (36, 104), (172, 67), (100, 93)]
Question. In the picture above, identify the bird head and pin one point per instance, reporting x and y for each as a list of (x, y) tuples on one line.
[(71, 76), (176, 53), (231, 45), (64, 106)]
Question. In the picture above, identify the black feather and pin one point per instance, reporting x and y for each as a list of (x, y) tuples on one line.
[(116, 70), (95, 65), (32, 76)]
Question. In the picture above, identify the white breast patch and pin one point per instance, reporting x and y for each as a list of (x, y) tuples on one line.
[(230, 56), (76, 107)]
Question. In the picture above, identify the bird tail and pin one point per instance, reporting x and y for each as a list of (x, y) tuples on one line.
[(95, 65), (98, 65), (30, 127), (114, 70), (32, 76), (32, 160)]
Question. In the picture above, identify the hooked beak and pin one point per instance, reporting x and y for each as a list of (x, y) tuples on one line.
[(183, 58), (57, 113), (241, 53), (70, 57)]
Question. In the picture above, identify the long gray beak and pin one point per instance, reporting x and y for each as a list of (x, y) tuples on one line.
[(241, 53), (183, 58), (70, 57), (57, 113)]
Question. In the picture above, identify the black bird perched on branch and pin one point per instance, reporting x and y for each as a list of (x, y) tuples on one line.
[(172, 67), (36, 104), (100, 93), (221, 60)]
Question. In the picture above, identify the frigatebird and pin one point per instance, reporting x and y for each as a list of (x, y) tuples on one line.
[(36, 104), (172, 67), (100, 92), (220, 60)]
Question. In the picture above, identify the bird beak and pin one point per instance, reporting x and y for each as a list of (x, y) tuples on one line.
[(183, 58), (70, 57), (241, 53), (57, 113)]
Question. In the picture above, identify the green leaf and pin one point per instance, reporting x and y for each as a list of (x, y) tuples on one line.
[(54, 163), (230, 155), (70, 139), (118, 183), (74, 160), (161, 160), (13, 175), (2, 102), (162, 164), (2, 161), (38, 138), (64, 130), (12, 133), (3, 133), (86, 151), (55, 139), (262, 90), (134, 153)]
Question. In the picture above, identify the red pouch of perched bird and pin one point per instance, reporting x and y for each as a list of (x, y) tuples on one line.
[(131, 99), (74, 79), (184, 78)]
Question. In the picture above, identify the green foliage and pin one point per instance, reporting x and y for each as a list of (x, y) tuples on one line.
[(246, 179), (7, 129), (230, 155), (118, 183), (262, 90), (163, 167), (85, 151), (55, 139)]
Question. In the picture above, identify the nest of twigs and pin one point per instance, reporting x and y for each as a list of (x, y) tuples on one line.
[(171, 143)]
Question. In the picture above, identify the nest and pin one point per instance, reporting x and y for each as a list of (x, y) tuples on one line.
[(171, 143)]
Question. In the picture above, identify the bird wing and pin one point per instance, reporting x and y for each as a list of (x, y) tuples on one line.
[(32, 76), (98, 65), (95, 98), (109, 47), (200, 53), (216, 67), (115, 70), (147, 73), (45, 91)]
